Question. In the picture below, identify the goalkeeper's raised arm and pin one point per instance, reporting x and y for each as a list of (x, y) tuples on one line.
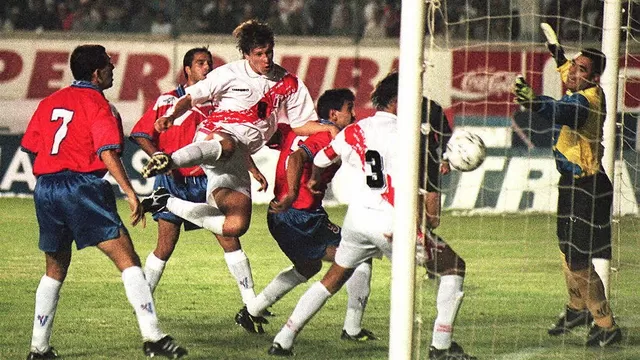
[(553, 44)]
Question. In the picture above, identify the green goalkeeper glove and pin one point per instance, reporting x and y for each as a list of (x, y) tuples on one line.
[(553, 44), (523, 92)]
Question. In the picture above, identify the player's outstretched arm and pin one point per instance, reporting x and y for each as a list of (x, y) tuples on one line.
[(111, 160), (553, 44)]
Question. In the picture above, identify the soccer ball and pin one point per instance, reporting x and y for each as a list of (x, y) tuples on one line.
[(465, 151)]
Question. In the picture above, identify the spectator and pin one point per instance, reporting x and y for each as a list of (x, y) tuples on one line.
[(161, 24), (392, 18), (141, 20), (290, 13), (374, 27), (341, 19)]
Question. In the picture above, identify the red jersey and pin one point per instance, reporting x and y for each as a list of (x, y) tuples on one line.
[(182, 131), (70, 129), (312, 145)]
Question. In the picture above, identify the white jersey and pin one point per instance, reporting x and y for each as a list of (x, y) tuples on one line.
[(368, 145), (250, 105)]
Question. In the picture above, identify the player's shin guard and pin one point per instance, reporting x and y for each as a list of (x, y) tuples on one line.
[(197, 153), (576, 296), (153, 269), (238, 265), (203, 215), (448, 302), (358, 290), (286, 280), (308, 305), (139, 296), (603, 268), (47, 296), (590, 284)]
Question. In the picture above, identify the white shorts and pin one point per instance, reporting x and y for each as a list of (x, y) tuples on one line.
[(363, 236), (244, 133), (231, 173)]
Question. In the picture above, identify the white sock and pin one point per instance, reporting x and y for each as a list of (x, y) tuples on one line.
[(47, 296), (308, 305), (203, 215), (603, 268), (139, 296), (448, 302), (358, 290), (286, 280), (153, 269), (239, 266), (197, 153)]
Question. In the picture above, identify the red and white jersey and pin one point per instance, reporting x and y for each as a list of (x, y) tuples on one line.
[(311, 145), (69, 130), (368, 145), (248, 99), (180, 134)]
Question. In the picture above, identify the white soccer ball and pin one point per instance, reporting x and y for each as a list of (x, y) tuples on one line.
[(465, 151)]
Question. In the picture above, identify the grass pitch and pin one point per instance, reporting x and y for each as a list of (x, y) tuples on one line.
[(513, 291)]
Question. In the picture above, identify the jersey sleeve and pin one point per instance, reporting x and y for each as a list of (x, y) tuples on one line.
[(300, 109), (106, 129), (332, 152), (207, 88), (316, 142), (144, 127)]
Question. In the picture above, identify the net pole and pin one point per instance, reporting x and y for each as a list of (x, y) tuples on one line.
[(406, 181), (609, 80)]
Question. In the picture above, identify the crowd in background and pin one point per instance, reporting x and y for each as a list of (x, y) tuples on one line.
[(497, 20)]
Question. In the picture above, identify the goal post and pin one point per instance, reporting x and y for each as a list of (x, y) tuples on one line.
[(406, 183)]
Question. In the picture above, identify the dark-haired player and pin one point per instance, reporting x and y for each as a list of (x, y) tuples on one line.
[(76, 136)]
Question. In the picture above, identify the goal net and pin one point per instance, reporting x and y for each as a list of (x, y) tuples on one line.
[(501, 218)]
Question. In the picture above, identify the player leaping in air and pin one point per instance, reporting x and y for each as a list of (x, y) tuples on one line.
[(251, 95)]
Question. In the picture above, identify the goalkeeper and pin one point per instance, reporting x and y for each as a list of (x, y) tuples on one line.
[(585, 193)]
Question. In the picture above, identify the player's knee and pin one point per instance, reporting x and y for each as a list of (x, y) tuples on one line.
[(308, 269), (235, 226)]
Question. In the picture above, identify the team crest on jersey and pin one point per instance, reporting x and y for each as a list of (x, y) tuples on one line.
[(42, 319)]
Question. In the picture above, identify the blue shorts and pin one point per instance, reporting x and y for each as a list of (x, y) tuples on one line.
[(190, 188), (75, 206), (303, 235)]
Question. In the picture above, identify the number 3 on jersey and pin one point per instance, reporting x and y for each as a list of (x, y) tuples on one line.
[(376, 179), (66, 116)]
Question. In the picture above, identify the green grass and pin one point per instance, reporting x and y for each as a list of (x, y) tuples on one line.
[(513, 291)]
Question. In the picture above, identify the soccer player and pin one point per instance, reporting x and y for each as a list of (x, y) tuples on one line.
[(433, 252), (368, 145), (76, 136), (301, 226), (251, 95), (585, 193), (184, 183)]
